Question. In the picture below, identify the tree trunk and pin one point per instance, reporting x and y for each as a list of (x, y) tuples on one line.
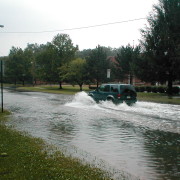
[(170, 83), (97, 84), (80, 85), (131, 79), (60, 85)]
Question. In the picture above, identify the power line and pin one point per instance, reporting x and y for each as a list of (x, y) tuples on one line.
[(77, 28)]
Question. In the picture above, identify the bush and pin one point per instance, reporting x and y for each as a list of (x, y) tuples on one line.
[(154, 89), (92, 87), (137, 88), (161, 89), (141, 89), (148, 88), (175, 90)]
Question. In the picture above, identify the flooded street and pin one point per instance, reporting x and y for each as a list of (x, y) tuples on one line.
[(142, 141)]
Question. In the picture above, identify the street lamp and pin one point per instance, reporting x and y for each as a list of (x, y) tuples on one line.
[(2, 80)]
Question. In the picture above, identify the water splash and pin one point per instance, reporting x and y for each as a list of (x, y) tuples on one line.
[(149, 114), (167, 111), (82, 100)]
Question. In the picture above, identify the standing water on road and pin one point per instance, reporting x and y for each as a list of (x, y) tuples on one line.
[(142, 141)]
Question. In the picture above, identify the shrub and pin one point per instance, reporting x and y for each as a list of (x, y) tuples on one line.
[(148, 88), (92, 87), (161, 89), (137, 88), (154, 89), (175, 90), (141, 89)]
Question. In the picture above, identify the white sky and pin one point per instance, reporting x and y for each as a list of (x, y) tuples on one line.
[(49, 15)]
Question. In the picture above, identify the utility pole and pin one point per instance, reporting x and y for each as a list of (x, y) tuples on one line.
[(2, 109)]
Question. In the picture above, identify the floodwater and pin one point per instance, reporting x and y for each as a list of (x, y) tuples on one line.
[(138, 142)]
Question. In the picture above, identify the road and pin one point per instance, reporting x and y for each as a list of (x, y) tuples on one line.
[(142, 141)]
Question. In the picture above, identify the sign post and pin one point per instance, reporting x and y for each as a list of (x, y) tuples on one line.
[(1, 26), (108, 73), (2, 109)]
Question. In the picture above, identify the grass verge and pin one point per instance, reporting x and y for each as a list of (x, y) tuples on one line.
[(158, 98), (24, 157), (67, 89), (71, 90)]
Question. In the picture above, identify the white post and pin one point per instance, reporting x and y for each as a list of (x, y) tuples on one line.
[(108, 73)]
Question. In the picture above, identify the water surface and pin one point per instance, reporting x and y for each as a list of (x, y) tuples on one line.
[(141, 141)]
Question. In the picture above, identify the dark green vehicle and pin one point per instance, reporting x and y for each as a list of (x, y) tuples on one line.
[(117, 93)]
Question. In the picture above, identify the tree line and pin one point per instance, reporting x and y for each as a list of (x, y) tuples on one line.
[(155, 59)]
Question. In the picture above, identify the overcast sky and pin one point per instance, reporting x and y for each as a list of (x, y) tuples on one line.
[(51, 15)]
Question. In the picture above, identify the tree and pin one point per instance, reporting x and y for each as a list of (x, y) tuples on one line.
[(161, 41), (17, 66), (110, 51), (31, 53), (75, 72), (65, 51), (125, 58), (97, 65), (84, 54), (47, 64)]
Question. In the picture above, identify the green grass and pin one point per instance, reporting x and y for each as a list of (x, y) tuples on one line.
[(157, 97), (68, 89), (23, 157)]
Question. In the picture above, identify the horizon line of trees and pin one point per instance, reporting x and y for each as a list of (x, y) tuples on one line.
[(155, 59)]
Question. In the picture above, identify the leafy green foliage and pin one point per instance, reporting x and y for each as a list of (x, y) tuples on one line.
[(64, 48), (97, 65), (161, 43), (65, 51), (47, 64), (125, 61), (17, 66), (75, 72), (31, 52)]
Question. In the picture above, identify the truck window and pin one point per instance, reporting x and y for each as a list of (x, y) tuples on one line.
[(114, 88), (106, 88)]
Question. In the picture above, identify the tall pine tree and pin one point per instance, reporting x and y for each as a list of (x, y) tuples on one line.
[(161, 43)]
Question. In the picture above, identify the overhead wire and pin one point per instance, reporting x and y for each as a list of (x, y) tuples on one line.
[(76, 28)]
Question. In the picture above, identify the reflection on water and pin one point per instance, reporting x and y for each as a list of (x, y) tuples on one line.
[(164, 148), (142, 141)]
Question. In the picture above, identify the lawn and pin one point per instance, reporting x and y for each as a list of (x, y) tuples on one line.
[(68, 89), (158, 98)]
